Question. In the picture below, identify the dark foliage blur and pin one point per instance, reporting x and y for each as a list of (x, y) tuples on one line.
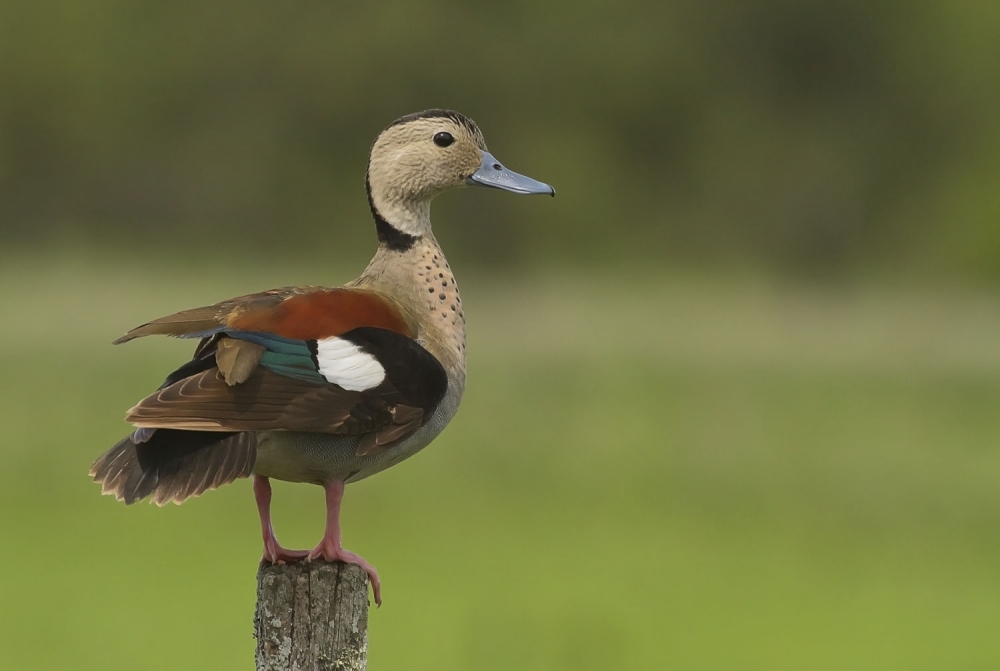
[(836, 136)]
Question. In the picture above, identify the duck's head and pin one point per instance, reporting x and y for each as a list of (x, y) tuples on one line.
[(420, 155)]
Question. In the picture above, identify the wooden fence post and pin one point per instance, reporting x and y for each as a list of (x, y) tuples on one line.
[(311, 616)]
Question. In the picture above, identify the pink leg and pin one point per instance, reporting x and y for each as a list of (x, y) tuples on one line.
[(273, 552), (330, 548)]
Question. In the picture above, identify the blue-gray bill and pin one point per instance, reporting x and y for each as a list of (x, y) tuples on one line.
[(492, 173)]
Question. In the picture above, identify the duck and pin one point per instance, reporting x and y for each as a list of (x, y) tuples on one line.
[(321, 385)]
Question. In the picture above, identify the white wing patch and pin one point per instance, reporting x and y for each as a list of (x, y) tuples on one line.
[(345, 364)]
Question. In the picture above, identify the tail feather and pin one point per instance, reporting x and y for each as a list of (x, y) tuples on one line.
[(173, 465)]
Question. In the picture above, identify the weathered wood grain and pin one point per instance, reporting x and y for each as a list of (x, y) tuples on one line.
[(311, 617)]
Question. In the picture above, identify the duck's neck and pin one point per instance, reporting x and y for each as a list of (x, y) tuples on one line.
[(399, 222), (419, 279)]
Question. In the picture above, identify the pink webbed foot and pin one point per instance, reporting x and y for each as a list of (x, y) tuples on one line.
[(329, 550), (275, 554)]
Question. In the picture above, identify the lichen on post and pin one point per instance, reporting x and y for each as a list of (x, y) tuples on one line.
[(311, 617)]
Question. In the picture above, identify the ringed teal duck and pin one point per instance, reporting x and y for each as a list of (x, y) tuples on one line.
[(314, 384)]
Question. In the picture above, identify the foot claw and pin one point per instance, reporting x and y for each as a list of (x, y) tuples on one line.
[(331, 553), (278, 555)]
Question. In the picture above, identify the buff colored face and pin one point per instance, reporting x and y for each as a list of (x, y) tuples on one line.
[(419, 158)]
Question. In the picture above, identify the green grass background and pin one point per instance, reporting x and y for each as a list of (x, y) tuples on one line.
[(646, 473)]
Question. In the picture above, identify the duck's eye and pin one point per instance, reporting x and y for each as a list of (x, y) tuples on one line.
[(443, 139)]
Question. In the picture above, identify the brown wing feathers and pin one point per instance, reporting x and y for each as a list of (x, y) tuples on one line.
[(266, 401), (237, 359), (322, 314), (174, 465), (291, 313), (205, 319), (197, 431)]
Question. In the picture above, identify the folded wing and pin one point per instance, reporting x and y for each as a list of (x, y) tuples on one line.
[(340, 361)]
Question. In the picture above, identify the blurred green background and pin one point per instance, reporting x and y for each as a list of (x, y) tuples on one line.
[(733, 394)]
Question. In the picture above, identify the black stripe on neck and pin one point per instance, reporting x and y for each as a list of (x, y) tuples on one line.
[(388, 235)]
